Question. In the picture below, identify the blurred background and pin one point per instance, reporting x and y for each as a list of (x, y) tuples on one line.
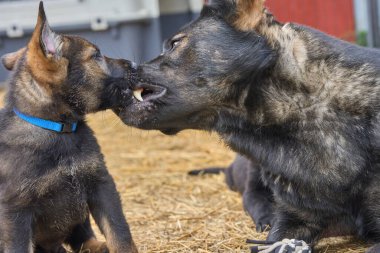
[(135, 29)]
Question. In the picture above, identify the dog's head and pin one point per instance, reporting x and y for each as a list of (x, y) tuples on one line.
[(206, 67), (67, 72)]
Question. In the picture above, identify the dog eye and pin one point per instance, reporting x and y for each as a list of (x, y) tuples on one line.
[(174, 43), (171, 44)]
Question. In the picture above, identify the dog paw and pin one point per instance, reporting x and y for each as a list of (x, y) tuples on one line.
[(94, 246), (262, 217), (260, 209), (102, 249)]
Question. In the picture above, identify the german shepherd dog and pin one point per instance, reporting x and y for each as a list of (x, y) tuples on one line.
[(50, 179), (302, 104)]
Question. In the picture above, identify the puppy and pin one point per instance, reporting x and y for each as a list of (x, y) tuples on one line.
[(52, 173)]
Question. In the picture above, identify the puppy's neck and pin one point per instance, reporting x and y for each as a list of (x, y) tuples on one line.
[(29, 97)]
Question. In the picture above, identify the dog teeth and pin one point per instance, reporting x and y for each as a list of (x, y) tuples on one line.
[(137, 94)]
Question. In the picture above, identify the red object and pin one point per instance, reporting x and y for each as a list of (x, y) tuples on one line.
[(335, 17)]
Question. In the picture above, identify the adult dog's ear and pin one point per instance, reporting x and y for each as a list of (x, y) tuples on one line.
[(10, 60), (249, 14), (244, 15)]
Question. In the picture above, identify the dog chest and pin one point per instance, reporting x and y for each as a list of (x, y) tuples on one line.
[(62, 201), (58, 212), (310, 196)]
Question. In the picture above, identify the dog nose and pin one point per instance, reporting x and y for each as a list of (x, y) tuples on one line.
[(129, 64)]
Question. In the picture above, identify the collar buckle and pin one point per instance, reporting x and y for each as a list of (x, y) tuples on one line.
[(69, 127)]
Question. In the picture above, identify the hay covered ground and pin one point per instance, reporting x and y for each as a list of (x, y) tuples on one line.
[(169, 211)]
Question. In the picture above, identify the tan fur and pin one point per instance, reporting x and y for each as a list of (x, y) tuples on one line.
[(93, 246), (47, 71), (322, 80), (43, 86), (89, 51), (249, 14), (112, 244)]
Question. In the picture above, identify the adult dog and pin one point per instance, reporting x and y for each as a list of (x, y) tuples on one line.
[(302, 104)]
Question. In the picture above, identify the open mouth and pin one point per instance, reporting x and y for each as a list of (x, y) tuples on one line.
[(147, 92)]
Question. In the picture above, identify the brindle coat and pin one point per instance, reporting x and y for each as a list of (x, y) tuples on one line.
[(302, 104), (49, 182)]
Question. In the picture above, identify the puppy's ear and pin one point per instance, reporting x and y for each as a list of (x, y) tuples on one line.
[(44, 54), (44, 41), (249, 13), (10, 60)]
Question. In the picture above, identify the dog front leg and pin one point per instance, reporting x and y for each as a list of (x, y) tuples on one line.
[(289, 226), (105, 207), (15, 231), (258, 200), (82, 239)]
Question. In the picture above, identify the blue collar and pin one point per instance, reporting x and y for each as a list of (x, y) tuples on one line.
[(47, 124)]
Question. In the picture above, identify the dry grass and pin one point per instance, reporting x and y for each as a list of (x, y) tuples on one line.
[(169, 211)]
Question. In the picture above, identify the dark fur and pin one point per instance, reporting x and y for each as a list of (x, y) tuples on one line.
[(50, 182), (302, 104)]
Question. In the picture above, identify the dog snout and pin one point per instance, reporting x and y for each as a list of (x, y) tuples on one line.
[(128, 64), (130, 68), (120, 68)]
